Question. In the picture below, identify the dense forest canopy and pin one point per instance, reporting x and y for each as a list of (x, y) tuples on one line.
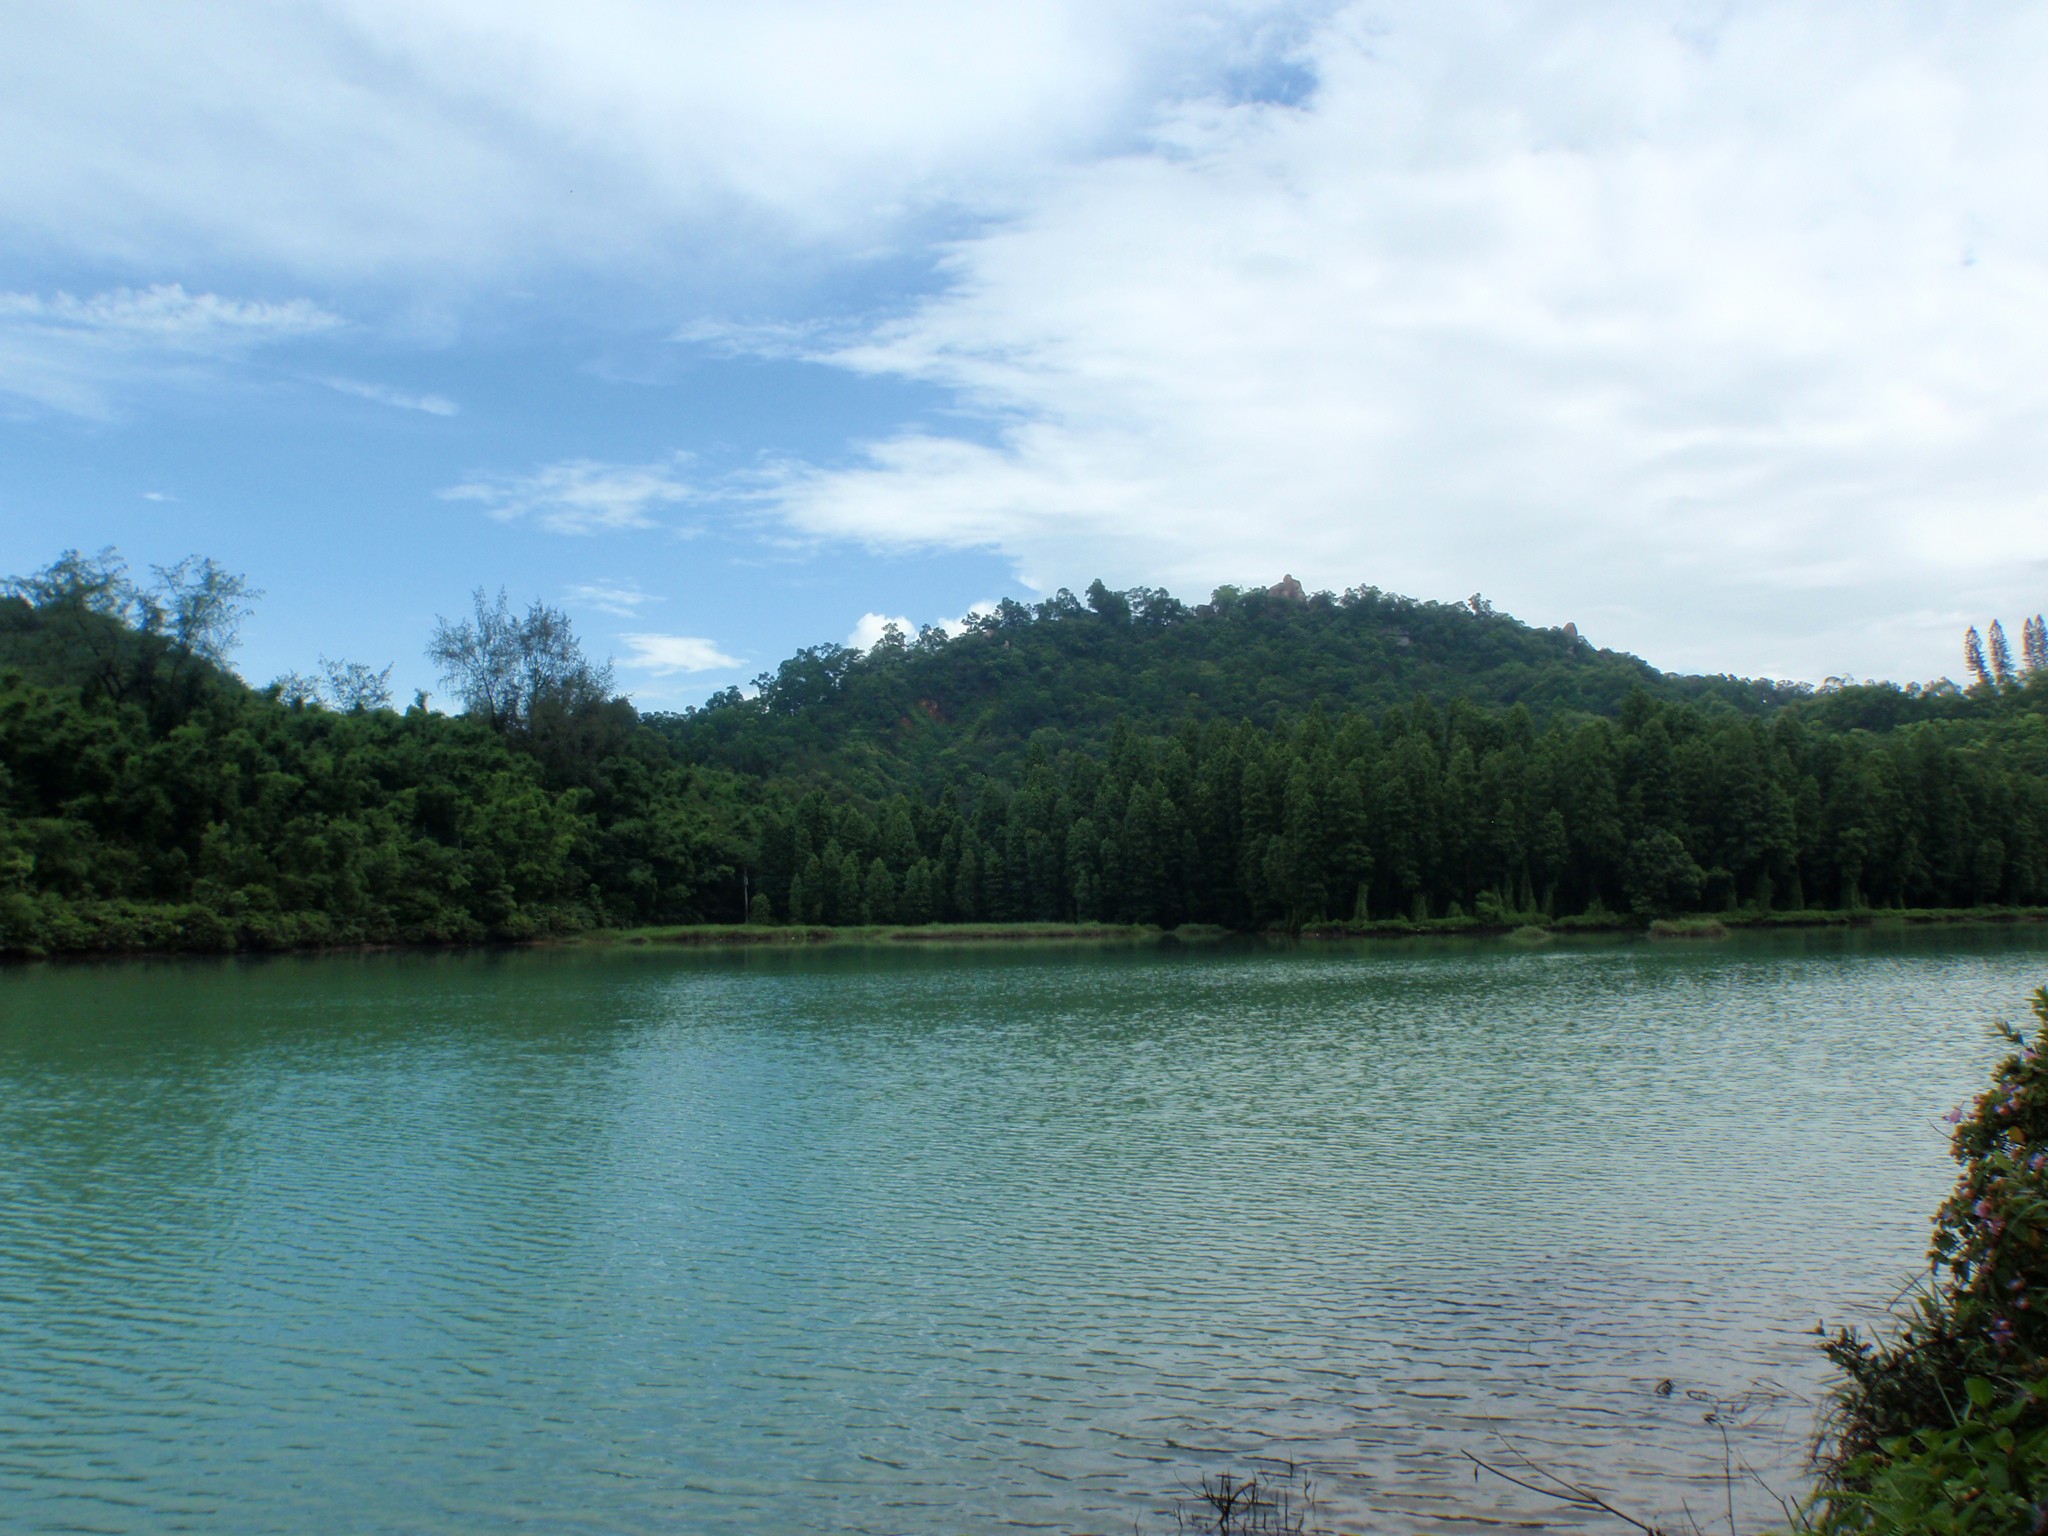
[(915, 711), (1269, 758)]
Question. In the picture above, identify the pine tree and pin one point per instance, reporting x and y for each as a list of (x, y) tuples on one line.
[(878, 894), (2001, 653), (916, 907), (967, 885), (2034, 644), (1973, 658)]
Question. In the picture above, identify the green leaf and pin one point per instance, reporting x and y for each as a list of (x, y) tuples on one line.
[(1979, 1390)]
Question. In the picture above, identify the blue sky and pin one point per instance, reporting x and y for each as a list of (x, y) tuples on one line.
[(1719, 329)]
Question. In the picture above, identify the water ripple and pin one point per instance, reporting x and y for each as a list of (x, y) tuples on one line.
[(930, 1243)]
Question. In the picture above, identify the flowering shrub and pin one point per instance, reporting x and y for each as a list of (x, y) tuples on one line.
[(1943, 1428)]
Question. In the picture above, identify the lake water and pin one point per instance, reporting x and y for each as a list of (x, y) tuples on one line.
[(919, 1242)]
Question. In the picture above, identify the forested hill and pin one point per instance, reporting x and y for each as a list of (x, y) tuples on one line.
[(1267, 759), (915, 710)]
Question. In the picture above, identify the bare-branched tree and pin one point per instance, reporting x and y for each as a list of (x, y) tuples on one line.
[(354, 687), (504, 665)]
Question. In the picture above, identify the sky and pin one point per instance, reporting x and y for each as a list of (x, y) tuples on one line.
[(1719, 329)]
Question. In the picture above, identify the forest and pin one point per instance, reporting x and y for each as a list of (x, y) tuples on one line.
[(1271, 759)]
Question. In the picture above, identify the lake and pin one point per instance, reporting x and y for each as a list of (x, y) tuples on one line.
[(920, 1241)]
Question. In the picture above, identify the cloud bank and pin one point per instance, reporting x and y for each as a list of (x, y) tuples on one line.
[(361, 139), (1717, 326), (1695, 325)]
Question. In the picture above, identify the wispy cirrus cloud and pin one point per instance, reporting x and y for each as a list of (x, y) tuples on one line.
[(623, 598), (665, 655), (580, 496), (776, 339), (71, 353), (398, 399), (166, 315)]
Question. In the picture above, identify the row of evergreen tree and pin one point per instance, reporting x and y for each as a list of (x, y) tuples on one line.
[(1425, 812), (1998, 670)]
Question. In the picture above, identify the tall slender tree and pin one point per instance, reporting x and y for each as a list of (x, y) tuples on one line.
[(2001, 653), (2034, 644), (1973, 658)]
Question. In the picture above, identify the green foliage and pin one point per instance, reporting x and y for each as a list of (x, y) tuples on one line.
[(151, 801), (81, 622), (1066, 764), (1417, 813), (508, 668), (913, 714), (1943, 1427)]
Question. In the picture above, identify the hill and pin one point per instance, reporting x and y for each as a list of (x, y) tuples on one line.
[(916, 711)]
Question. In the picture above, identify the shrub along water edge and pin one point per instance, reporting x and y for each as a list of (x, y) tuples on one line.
[(1943, 1427)]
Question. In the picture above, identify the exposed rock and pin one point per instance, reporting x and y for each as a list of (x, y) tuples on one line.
[(1287, 589)]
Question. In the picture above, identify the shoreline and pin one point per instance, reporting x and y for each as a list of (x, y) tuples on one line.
[(1534, 931), (1692, 927)]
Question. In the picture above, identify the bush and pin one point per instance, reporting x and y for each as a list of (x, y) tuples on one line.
[(1943, 1427)]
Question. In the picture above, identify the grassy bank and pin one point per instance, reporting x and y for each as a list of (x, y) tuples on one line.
[(1719, 925), (132, 928), (1693, 925), (803, 935)]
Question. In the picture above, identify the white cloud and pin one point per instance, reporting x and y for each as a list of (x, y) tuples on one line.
[(352, 137), (974, 610), (1722, 332), (1715, 325), (432, 405), (868, 632), (762, 338), (69, 353), (623, 598), (666, 654), (166, 315), (579, 495)]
